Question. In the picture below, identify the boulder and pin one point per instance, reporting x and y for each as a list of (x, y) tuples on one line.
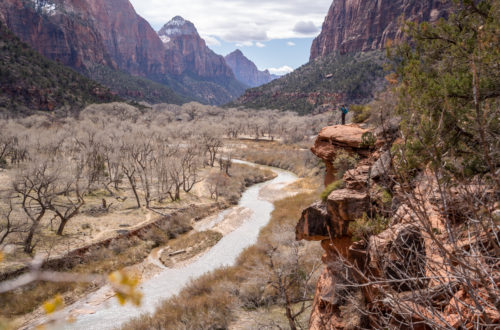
[(331, 139), (313, 224), (397, 254), (347, 205), (349, 136), (382, 166), (357, 179), (389, 130)]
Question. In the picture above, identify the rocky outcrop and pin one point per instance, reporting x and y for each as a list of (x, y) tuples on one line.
[(360, 26), (331, 139), (406, 272), (246, 71)]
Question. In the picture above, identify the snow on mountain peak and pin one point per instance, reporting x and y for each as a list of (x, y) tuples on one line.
[(178, 26)]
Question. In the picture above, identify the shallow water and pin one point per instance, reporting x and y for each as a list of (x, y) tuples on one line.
[(169, 282)]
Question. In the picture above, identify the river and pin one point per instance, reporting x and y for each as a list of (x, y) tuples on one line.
[(109, 314)]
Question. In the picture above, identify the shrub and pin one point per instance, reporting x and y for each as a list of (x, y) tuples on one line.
[(336, 185), (365, 227), (344, 162), (361, 113), (368, 140)]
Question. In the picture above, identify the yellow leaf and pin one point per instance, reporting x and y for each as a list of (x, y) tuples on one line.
[(121, 298), (53, 305), (1, 256)]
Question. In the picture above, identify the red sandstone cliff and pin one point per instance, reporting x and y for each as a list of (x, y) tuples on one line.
[(246, 71), (128, 38), (360, 25), (82, 33), (396, 277), (52, 30), (187, 52)]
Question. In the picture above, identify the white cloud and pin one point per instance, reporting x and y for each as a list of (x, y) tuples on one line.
[(290, 43), (211, 41), (281, 71), (260, 44), (305, 28), (239, 20), (245, 44)]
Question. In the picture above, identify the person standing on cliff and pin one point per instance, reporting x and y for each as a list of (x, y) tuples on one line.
[(344, 109)]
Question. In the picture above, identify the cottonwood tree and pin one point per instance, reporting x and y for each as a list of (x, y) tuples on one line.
[(142, 153), (36, 184), (129, 169), (217, 184), (290, 272), (7, 144), (8, 223), (212, 142), (190, 167), (69, 194)]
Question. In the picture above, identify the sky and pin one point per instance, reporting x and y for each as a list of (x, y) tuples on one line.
[(274, 34)]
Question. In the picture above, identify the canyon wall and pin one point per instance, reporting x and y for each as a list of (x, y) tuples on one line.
[(360, 25)]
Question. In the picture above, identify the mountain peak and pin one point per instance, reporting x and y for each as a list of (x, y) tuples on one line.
[(177, 26), (246, 71), (236, 52)]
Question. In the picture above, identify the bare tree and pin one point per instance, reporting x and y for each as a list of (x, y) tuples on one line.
[(36, 184), (212, 143), (8, 224), (69, 193), (290, 273)]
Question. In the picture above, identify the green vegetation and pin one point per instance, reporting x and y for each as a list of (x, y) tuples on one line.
[(29, 81), (368, 140), (336, 185), (450, 93), (365, 227), (361, 113), (135, 88), (344, 162), (337, 78)]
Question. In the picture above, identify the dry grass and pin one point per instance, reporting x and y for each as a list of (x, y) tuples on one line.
[(241, 177), (288, 157), (100, 261)]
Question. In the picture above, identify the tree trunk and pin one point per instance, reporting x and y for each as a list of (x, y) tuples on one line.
[(289, 315), (61, 226), (29, 239), (132, 184)]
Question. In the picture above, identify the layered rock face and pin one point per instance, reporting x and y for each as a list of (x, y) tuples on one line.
[(88, 34), (358, 26), (246, 71), (128, 38), (396, 271), (50, 28), (83, 33), (187, 52)]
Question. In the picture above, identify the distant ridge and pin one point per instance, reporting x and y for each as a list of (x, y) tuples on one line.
[(246, 71)]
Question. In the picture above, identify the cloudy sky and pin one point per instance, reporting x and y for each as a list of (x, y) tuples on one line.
[(275, 34)]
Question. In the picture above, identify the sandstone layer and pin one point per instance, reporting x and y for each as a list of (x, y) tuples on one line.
[(359, 26)]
